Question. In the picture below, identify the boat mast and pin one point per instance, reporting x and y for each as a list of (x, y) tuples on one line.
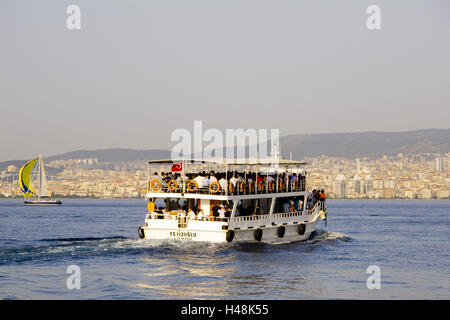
[(39, 177)]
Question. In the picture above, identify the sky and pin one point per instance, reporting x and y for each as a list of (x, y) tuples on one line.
[(138, 70)]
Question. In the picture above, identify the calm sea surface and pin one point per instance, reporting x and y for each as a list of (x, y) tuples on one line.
[(408, 240)]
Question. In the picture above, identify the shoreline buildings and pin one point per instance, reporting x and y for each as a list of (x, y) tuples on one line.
[(412, 176)]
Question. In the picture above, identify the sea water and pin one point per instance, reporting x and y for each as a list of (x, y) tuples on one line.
[(408, 241)]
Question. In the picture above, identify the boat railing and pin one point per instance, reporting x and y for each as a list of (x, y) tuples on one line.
[(266, 216), (320, 205), (161, 216), (240, 188)]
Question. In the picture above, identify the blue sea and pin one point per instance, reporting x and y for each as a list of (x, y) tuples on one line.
[(407, 240)]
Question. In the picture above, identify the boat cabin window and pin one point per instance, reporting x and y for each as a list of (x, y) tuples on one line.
[(251, 207), (289, 204)]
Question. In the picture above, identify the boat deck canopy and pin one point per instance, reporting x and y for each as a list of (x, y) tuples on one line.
[(254, 162)]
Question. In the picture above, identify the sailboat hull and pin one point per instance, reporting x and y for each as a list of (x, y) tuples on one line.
[(43, 202)]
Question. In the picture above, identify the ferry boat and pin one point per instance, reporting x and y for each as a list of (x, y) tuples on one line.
[(26, 176), (260, 201)]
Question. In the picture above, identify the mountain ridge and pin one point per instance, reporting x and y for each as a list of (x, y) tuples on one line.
[(343, 144)]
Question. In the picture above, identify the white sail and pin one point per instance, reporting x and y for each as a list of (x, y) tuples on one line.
[(43, 192)]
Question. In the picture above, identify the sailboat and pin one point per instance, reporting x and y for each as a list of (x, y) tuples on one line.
[(25, 181)]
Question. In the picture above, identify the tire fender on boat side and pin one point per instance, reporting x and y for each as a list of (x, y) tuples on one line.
[(229, 235), (301, 229), (258, 234), (281, 231), (141, 233)]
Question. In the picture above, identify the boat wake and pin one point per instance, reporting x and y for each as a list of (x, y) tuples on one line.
[(321, 235), (80, 239), (48, 250)]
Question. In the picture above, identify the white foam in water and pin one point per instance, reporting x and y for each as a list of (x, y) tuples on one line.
[(163, 244), (320, 235)]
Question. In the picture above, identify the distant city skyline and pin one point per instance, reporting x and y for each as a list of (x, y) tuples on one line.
[(135, 72), (416, 176)]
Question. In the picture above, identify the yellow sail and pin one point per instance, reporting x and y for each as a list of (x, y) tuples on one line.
[(25, 177)]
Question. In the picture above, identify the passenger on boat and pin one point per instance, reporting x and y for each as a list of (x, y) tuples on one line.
[(316, 196), (271, 183), (286, 206), (200, 215), (150, 206), (222, 212), (309, 201), (200, 179), (300, 205), (160, 204), (213, 177), (260, 179), (179, 181), (191, 214), (292, 179), (206, 181), (250, 181), (215, 210), (223, 183), (155, 175), (233, 180), (323, 197), (292, 207), (228, 211)]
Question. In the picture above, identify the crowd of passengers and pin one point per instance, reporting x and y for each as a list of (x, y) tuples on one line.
[(160, 211), (234, 182), (316, 196)]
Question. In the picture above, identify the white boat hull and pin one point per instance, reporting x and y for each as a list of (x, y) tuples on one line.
[(220, 232)]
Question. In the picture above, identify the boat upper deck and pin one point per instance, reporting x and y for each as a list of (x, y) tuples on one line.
[(194, 178)]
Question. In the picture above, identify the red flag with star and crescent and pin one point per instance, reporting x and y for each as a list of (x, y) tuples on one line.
[(177, 167)]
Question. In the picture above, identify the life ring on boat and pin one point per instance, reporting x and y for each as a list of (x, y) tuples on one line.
[(141, 233), (242, 186), (260, 186), (230, 235), (270, 185), (250, 186), (214, 187), (281, 185), (156, 184), (231, 187), (258, 234), (192, 186), (172, 185), (301, 229), (294, 185), (281, 231)]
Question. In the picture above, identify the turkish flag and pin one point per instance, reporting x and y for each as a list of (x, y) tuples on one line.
[(177, 167)]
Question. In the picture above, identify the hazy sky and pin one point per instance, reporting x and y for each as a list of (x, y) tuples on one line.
[(137, 70)]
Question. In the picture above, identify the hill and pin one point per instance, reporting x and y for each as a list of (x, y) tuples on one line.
[(372, 144), (348, 145)]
